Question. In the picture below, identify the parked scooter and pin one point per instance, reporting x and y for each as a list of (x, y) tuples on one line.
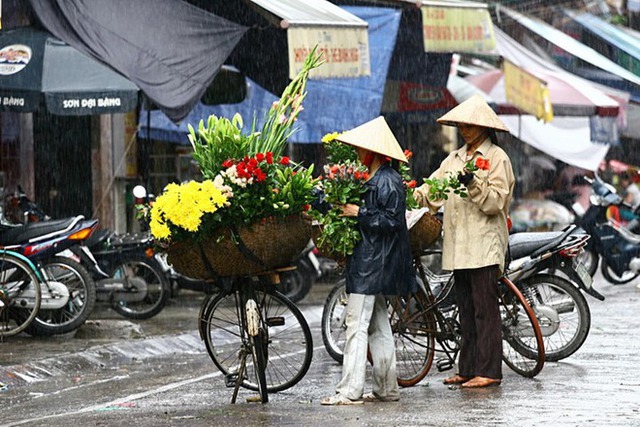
[(613, 243), (68, 291), (126, 273)]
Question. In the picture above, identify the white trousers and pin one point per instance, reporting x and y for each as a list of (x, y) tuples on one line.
[(368, 328)]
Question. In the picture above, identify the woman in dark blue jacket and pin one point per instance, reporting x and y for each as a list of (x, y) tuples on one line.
[(380, 265)]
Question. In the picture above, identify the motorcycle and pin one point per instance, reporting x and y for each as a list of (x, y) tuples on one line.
[(125, 270), (613, 243), (68, 291)]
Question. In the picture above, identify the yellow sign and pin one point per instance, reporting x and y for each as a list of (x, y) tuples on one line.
[(527, 92), (457, 29), (345, 50)]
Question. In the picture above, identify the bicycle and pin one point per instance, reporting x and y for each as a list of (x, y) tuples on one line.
[(423, 318), (20, 293), (250, 318)]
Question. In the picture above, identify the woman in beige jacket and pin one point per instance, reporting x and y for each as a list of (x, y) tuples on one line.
[(475, 238)]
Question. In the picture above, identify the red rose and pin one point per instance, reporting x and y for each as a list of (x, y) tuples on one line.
[(269, 157), (253, 162), (306, 207), (482, 164), (227, 163), (408, 154), (259, 157), (284, 160), (411, 184), (334, 168)]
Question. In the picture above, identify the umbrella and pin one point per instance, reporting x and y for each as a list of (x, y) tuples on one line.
[(569, 96), (38, 71)]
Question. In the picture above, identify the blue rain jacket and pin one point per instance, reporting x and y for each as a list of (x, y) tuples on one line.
[(381, 261)]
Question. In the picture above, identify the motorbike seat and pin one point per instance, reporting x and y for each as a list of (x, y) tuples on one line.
[(24, 233), (526, 243)]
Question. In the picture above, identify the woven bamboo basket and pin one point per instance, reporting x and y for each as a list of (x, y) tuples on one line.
[(263, 246), (424, 233)]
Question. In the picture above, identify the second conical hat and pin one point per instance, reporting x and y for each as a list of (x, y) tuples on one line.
[(375, 136), (473, 111)]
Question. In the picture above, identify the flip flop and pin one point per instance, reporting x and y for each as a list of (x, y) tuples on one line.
[(370, 397), (480, 382), (456, 379), (339, 400)]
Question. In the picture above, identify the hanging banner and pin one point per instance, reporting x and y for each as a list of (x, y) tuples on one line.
[(527, 92), (346, 50), (457, 29)]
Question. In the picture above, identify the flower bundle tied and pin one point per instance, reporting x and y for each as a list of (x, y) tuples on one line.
[(439, 188)]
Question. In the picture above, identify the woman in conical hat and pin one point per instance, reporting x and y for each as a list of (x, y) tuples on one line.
[(475, 236), (380, 265)]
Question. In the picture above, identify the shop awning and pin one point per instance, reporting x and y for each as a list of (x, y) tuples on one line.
[(170, 49), (341, 35), (38, 72), (569, 44), (331, 104), (626, 52)]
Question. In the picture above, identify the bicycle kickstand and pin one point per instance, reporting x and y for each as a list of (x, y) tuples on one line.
[(236, 387)]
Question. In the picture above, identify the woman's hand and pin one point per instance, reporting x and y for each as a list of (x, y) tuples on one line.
[(350, 209)]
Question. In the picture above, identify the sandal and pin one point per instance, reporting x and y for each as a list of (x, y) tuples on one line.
[(370, 397), (339, 400), (479, 382), (456, 379)]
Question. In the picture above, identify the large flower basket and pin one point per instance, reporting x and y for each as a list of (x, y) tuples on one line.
[(424, 232), (265, 245)]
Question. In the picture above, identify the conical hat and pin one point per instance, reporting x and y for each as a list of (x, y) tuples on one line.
[(473, 111), (375, 136)]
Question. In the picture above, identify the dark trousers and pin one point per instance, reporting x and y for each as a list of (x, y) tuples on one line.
[(481, 346)]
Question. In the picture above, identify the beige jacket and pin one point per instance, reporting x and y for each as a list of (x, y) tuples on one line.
[(475, 228)]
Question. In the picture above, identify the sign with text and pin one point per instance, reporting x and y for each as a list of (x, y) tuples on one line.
[(457, 29), (346, 50), (527, 92)]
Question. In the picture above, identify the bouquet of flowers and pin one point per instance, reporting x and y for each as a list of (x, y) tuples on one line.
[(343, 183), (439, 188), (246, 179)]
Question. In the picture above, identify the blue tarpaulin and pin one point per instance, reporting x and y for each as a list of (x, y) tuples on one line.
[(331, 104)]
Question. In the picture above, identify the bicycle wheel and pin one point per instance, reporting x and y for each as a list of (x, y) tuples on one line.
[(289, 345), (146, 288), (414, 331), (520, 330), (334, 316), (20, 295), (562, 311), (81, 288)]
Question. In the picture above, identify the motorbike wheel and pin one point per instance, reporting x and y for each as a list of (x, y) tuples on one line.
[(156, 293), (562, 311), (590, 259), (296, 284), (82, 298), (612, 277)]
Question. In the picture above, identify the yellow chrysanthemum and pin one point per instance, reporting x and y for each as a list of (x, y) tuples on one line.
[(330, 137), (183, 205)]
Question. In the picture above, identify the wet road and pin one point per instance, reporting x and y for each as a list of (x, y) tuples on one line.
[(156, 372)]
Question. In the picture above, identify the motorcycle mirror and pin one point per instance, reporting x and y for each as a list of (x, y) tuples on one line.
[(139, 192)]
